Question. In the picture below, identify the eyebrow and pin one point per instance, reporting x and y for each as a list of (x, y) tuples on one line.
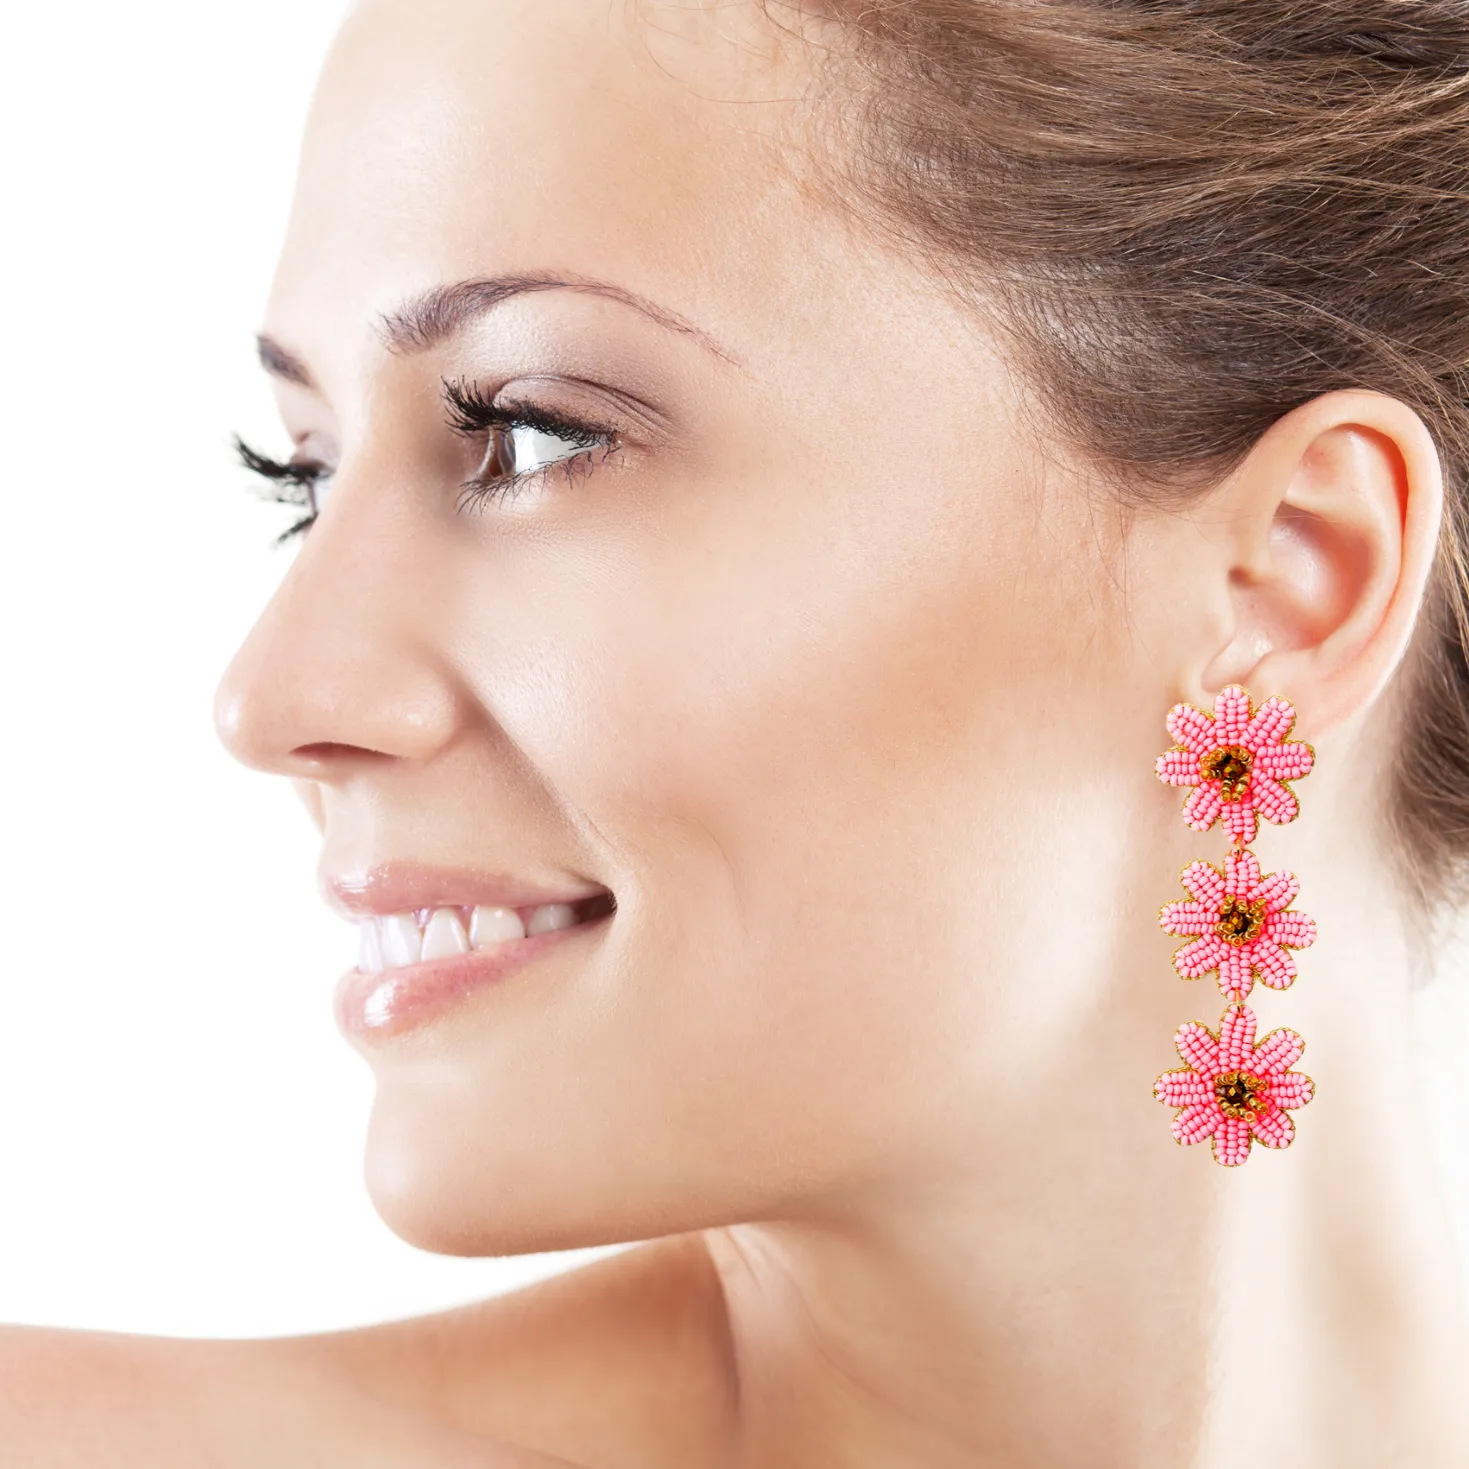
[(437, 315), (280, 363)]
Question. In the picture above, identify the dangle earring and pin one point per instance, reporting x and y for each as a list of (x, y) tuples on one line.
[(1233, 1088)]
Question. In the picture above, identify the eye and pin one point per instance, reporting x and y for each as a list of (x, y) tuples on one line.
[(522, 441), (301, 482), (519, 447)]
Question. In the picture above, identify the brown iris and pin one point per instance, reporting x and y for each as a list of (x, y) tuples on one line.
[(1230, 766), (1240, 922), (1238, 1094)]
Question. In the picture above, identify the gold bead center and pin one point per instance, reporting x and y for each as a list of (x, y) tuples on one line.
[(1230, 766), (1238, 1094), (1240, 922)]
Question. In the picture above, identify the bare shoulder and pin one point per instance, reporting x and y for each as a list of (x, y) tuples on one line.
[(70, 1399), (618, 1363), (625, 1361)]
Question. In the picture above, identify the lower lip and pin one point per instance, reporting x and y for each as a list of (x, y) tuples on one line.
[(376, 1006)]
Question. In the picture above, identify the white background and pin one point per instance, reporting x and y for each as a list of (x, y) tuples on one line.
[(180, 1125)]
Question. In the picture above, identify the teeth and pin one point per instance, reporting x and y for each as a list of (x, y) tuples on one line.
[(444, 937), (553, 915), (395, 940), (401, 943), (490, 926), (369, 947)]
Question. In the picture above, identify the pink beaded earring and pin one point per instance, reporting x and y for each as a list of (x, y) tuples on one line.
[(1234, 1088)]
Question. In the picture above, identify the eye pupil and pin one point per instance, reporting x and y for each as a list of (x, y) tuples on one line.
[(500, 460), (504, 453)]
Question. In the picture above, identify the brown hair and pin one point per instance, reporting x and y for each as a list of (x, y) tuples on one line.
[(1196, 215)]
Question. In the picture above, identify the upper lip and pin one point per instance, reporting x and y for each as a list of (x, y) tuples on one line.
[(403, 887)]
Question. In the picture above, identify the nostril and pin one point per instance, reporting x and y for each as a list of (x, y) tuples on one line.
[(327, 752)]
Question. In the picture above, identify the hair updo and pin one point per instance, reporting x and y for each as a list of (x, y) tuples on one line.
[(1194, 216)]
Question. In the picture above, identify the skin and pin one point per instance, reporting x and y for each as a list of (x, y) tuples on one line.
[(848, 682)]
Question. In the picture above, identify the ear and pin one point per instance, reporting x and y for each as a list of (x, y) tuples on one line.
[(1332, 525)]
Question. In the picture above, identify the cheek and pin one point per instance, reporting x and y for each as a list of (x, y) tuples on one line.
[(827, 745), (807, 744)]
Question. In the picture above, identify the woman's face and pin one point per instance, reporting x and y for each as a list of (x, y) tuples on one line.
[(795, 645)]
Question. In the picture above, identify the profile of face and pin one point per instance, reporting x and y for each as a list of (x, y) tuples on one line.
[(680, 541)]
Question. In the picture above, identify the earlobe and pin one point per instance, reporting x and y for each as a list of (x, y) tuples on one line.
[(1335, 517)]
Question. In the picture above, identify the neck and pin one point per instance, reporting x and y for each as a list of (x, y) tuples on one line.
[(1093, 1294)]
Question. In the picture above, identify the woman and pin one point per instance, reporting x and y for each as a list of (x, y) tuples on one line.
[(767, 478)]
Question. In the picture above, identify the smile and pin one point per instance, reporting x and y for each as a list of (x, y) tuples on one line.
[(398, 940), (429, 940)]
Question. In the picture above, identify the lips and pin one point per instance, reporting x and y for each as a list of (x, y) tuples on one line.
[(430, 938), (403, 887)]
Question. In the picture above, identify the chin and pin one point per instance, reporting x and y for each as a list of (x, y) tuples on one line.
[(458, 1188), (457, 1185), (456, 1177)]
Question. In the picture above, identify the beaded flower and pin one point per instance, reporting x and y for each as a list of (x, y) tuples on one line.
[(1244, 922), (1233, 1090), (1236, 759)]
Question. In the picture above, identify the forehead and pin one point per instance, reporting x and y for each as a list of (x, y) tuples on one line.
[(657, 146)]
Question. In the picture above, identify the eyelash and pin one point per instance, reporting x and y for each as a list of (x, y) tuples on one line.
[(473, 415), (287, 484)]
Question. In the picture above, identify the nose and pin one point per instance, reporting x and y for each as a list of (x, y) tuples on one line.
[(340, 668)]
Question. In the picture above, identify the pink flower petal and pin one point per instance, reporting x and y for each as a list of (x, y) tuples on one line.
[(1231, 714), (1276, 891), (1274, 1128), (1235, 978), (1241, 873), (1239, 816), (1232, 1141), (1186, 918), (1285, 762), (1178, 768), (1236, 1037), (1199, 1049), (1183, 1089), (1270, 725), (1276, 967), (1195, 1123), (1203, 806), (1192, 728), (1294, 928), (1199, 957), (1294, 1089), (1205, 882), (1276, 1053), (1275, 801)]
